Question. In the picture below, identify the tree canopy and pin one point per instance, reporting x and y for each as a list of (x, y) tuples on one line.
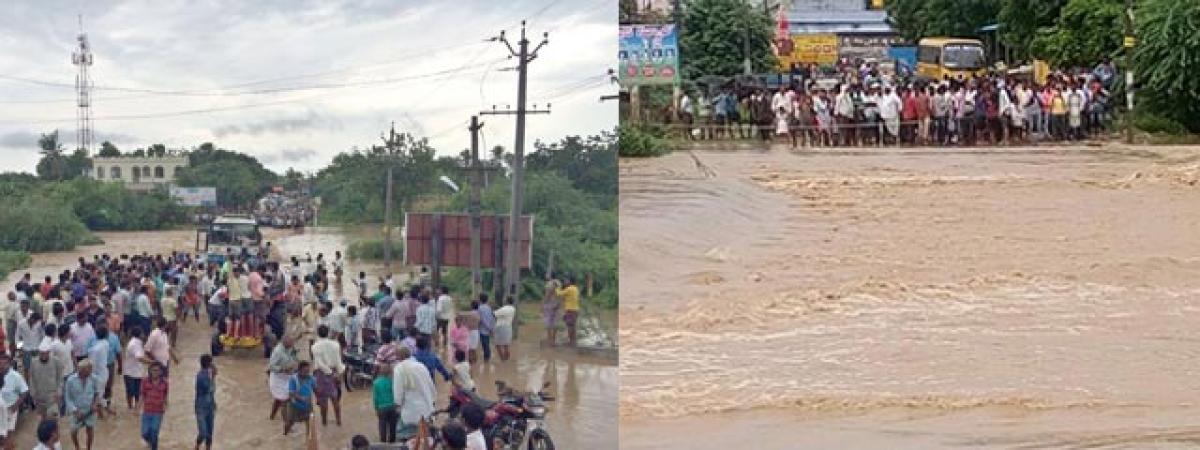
[(1167, 61), (714, 37)]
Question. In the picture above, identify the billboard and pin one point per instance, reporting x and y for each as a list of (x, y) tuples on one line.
[(819, 48), (648, 54), (195, 196), (454, 234), (867, 46)]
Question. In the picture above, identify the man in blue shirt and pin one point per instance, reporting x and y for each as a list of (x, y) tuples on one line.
[(429, 359), (487, 323), (301, 387), (82, 401), (206, 403)]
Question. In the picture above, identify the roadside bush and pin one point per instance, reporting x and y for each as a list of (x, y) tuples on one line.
[(39, 225), (373, 249), (1154, 123), (640, 141), (13, 260)]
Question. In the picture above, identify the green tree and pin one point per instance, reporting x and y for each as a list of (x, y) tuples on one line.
[(915, 19), (1166, 59), (107, 149), (1085, 32), (589, 162), (713, 40), (156, 150), (1020, 21), (53, 164), (240, 179), (352, 188)]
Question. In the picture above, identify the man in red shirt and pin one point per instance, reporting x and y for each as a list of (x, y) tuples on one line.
[(154, 404), (908, 117)]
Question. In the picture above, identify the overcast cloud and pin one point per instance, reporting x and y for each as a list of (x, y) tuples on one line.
[(296, 82)]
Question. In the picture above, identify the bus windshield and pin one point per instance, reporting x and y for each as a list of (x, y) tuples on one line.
[(959, 56)]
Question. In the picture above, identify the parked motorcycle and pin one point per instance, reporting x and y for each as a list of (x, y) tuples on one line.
[(508, 422)]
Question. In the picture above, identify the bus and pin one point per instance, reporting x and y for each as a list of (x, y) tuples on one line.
[(230, 234), (939, 57)]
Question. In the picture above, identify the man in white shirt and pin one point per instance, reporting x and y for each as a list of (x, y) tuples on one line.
[(889, 111), (11, 395), (445, 313), (412, 389), (473, 417)]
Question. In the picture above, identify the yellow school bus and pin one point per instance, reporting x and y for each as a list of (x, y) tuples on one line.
[(944, 56)]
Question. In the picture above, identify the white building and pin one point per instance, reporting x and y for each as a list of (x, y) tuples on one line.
[(141, 173)]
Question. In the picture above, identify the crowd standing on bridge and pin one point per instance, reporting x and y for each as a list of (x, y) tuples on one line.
[(866, 108), (75, 333)]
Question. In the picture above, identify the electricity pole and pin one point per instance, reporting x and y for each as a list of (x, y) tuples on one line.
[(1129, 43), (512, 260), (476, 170), (390, 142)]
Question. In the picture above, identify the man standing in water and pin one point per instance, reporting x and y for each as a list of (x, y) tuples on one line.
[(551, 304), (327, 365), (154, 391), (413, 391), (206, 403), (570, 296), (81, 401)]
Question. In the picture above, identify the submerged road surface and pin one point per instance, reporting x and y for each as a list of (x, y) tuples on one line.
[(918, 298)]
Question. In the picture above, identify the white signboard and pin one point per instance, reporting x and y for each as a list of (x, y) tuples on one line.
[(195, 196)]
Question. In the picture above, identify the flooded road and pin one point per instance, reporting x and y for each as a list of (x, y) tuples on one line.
[(583, 415), (943, 298)]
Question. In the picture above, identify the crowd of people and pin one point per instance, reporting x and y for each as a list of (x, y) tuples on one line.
[(866, 108), (77, 332)]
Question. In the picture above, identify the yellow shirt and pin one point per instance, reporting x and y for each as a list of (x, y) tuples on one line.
[(235, 289), (169, 306), (570, 296), (1058, 105)]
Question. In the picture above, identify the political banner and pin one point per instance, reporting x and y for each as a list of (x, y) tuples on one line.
[(195, 196), (648, 54)]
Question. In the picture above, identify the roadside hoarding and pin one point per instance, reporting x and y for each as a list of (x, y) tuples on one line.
[(453, 234), (867, 46), (195, 196), (811, 48), (648, 54)]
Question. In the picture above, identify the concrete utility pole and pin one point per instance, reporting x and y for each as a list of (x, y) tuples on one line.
[(476, 170), (1130, 41), (390, 142), (512, 260)]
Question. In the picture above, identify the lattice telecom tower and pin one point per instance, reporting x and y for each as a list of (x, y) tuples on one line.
[(82, 57)]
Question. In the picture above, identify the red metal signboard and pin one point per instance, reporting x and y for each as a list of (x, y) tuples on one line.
[(455, 235)]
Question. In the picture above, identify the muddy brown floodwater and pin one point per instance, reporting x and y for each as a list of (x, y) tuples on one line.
[(583, 415), (921, 298)]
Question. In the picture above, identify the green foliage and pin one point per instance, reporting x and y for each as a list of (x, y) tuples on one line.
[(1020, 21), (107, 149), (1085, 32), (1155, 123), (353, 188), (1167, 60), (55, 164), (57, 215), (372, 249), (641, 141), (240, 179), (39, 224), (714, 38), (590, 163), (915, 19), (13, 260)]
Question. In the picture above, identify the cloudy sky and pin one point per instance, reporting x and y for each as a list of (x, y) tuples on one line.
[(294, 82)]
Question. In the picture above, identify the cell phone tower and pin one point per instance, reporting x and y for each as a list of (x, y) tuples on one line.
[(82, 57)]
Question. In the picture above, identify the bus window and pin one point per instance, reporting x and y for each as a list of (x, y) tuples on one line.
[(962, 57)]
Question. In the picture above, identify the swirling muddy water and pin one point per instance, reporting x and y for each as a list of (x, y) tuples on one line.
[(1013, 297), (583, 415)]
